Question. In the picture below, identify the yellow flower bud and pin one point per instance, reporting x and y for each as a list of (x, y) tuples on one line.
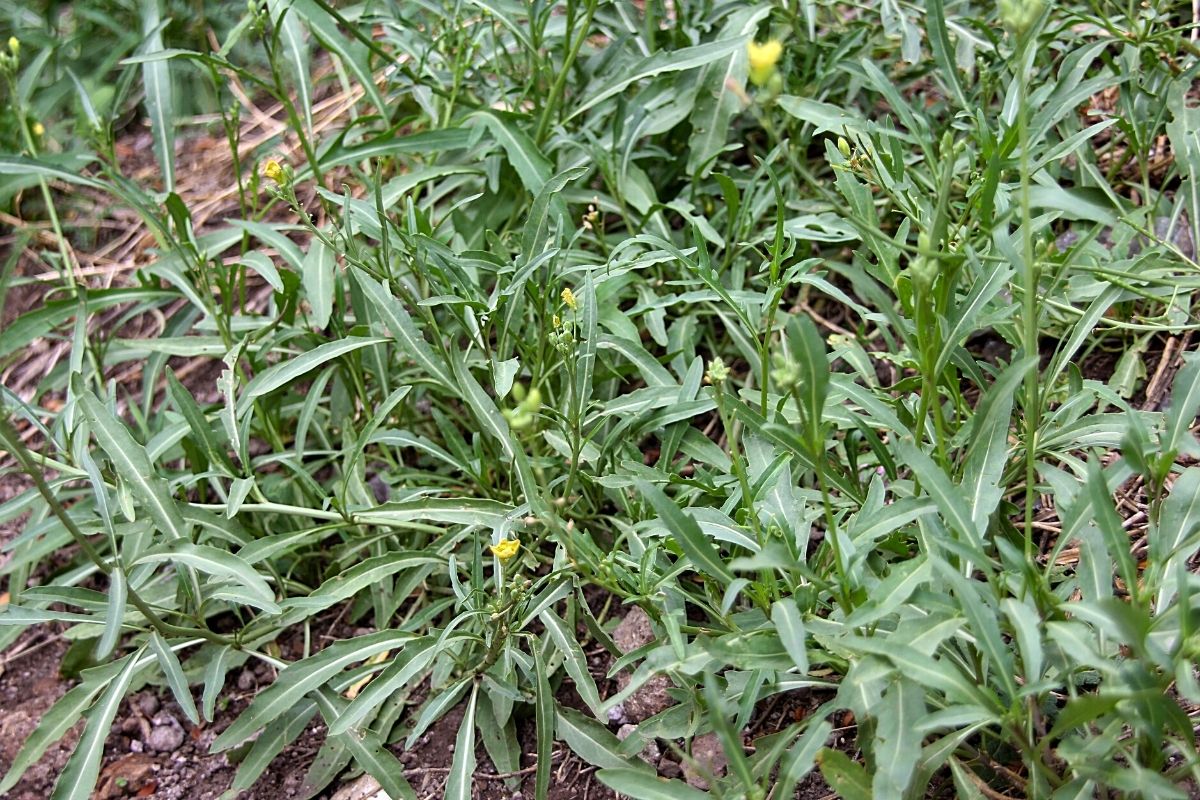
[(763, 58), (14, 46), (38, 129), (505, 549), (274, 170), (568, 297)]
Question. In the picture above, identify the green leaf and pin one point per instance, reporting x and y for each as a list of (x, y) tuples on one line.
[(450, 510), (368, 749), (808, 348), (847, 778), (943, 53), (366, 573), (298, 679), (544, 718), (719, 99), (500, 742), (202, 430), (824, 117), (132, 463), (317, 274), (284, 373), (896, 749), (221, 564), (1026, 623), (214, 680), (160, 107), (987, 454), (801, 758), (278, 735), (591, 741), (636, 783), (574, 661), (687, 534), (485, 411), (272, 236), (398, 322), (413, 660), (537, 223), (658, 64), (948, 497), (790, 628), (354, 56), (388, 145), (265, 268), (459, 782), (61, 717), (1116, 538), (1185, 402), (291, 36), (1083, 203), (173, 670), (113, 615), (531, 166), (79, 776)]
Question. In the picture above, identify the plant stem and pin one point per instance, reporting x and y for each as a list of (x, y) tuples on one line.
[(560, 82), (12, 442), (1029, 302)]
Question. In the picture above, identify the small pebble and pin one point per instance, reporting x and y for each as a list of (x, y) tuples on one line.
[(148, 704), (165, 738)]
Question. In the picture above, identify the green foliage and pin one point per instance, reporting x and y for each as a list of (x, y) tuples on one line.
[(559, 274)]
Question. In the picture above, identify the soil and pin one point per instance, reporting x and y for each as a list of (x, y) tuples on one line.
[(153, 752)]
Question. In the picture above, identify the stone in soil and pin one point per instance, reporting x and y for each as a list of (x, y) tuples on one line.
[(708, 761), (652, 697), (165, 738), (651, 753)]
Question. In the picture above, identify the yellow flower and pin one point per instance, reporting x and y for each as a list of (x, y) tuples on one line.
[(274, 170), (763, 58), (14, 46), (556, 320), (38, 129), (568, 297), (505, 549)]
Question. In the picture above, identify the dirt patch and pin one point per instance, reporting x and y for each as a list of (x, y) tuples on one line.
[(29, 686), (153, 751)]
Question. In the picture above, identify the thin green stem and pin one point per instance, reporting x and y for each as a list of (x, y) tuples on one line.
[(67, 268), (564, 72), (1029, 302)]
